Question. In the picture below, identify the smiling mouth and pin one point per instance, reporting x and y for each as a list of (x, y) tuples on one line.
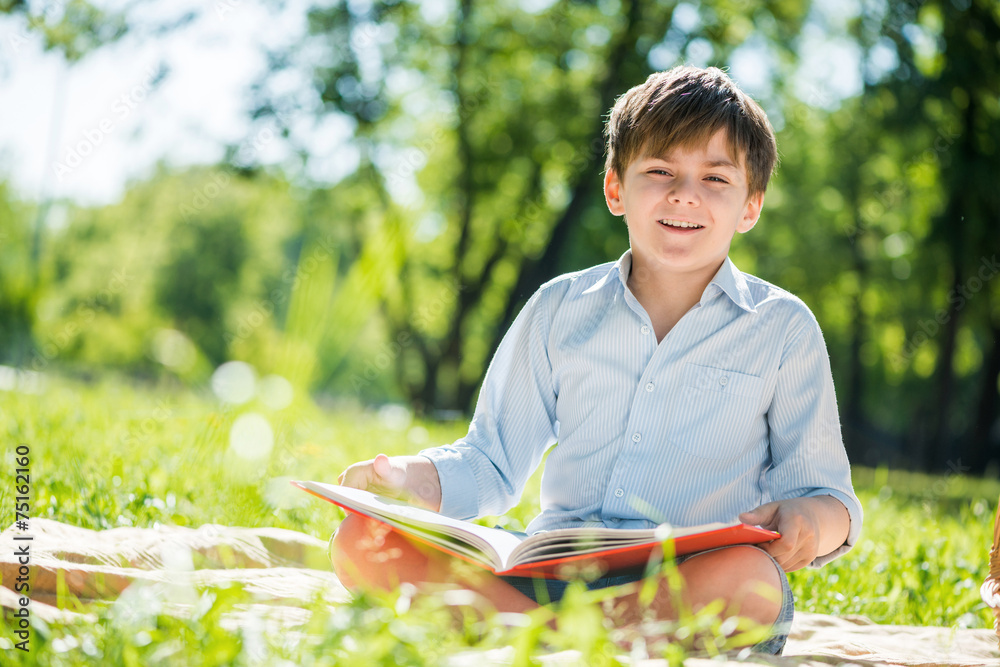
[(680, 224)]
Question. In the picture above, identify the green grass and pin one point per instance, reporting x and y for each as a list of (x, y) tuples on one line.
[(114, 454)]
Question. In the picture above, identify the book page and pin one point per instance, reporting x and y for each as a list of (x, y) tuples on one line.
[(489, 546), (576, 541)]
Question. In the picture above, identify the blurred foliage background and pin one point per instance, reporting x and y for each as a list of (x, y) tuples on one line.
[(477, 155)]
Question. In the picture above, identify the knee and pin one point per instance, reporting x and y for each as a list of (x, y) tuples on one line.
[(757, 585), (744, 576), (350, 548), (764, 588), (367, 554)]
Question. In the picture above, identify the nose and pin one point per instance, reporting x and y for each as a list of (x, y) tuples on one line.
[(683, 192)]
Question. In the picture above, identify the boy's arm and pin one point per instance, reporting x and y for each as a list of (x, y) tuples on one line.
[(815, 507), (514, 422)]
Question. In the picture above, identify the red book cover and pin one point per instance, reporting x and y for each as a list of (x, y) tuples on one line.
[(553, 554), (636, 557)]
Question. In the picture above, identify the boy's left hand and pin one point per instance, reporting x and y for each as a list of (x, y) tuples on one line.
[(809, 527)]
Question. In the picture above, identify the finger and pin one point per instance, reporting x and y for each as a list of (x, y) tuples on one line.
[(795, 564), (779, 550), (763, 515), (785, 547), (808, 549), (382, 465), (798, 551), (358, 476), (768, 547), (389, 474), (795, 559)]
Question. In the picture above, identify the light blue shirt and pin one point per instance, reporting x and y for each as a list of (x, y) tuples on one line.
[(734, 408)]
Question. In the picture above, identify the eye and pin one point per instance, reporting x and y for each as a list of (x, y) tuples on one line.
[(659, 172), (716, 179)]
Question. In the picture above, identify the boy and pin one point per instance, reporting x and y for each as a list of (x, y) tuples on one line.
[(680, 389)]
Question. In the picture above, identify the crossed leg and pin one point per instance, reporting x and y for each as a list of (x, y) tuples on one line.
[(368, 555)]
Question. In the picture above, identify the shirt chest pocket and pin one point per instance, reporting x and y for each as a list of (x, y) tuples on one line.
[(715, 410)]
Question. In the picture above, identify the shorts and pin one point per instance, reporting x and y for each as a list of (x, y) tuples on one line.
[(556, 588)]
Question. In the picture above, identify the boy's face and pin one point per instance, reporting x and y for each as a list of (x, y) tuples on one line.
[(683, 209)]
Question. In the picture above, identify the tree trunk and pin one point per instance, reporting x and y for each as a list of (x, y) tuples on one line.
[(853, 416), (984, 445), (534, 272), (939, 445)]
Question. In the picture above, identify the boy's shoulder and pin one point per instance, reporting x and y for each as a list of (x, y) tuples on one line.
[(582, 280), (594, 284), (587, 289), (764, 292), (778, 303)]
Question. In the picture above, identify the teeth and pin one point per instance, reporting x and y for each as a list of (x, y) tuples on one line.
[(680, 223)]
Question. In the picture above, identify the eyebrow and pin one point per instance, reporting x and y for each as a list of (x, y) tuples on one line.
[(710, 164)]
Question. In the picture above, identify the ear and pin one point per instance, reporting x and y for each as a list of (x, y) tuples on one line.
[(613, 192), (751, 213)]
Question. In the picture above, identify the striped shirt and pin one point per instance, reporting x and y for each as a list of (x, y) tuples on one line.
[(734, 408)]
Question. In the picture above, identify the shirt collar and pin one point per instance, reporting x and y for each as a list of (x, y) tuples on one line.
[(619, 269), (732, 283), (728, 279), (624, 266)]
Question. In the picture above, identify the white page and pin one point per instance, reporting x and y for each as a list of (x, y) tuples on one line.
[(578, 541), (500, 542)]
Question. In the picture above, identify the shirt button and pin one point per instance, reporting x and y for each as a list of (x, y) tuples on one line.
[(723, 380), (619, 493), (644, 330), (636, 437), (650, 386)]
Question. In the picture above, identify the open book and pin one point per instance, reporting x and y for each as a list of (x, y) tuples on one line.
[(554, 554)]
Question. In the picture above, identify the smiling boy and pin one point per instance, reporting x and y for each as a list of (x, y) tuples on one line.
[(680, 389)]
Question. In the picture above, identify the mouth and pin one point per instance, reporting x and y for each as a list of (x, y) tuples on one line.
[(679, 224)]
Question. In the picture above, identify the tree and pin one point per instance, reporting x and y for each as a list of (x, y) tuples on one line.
[(481, 131), (947, 83)]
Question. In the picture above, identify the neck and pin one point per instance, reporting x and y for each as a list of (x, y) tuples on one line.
[(667, 295)]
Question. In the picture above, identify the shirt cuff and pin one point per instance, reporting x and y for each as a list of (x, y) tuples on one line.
[(459, 491), (854, 511)]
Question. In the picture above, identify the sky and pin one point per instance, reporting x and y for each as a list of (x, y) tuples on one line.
[(83, 131)]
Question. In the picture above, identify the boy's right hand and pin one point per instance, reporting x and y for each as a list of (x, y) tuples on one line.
[(410, 478)]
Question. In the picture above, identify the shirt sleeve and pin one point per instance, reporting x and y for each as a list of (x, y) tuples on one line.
[(807, 450), (514, 423)]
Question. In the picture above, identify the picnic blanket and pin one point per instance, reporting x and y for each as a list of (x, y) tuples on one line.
[(284, 568)]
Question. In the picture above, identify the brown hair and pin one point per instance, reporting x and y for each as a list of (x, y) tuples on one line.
[(686, 106)]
